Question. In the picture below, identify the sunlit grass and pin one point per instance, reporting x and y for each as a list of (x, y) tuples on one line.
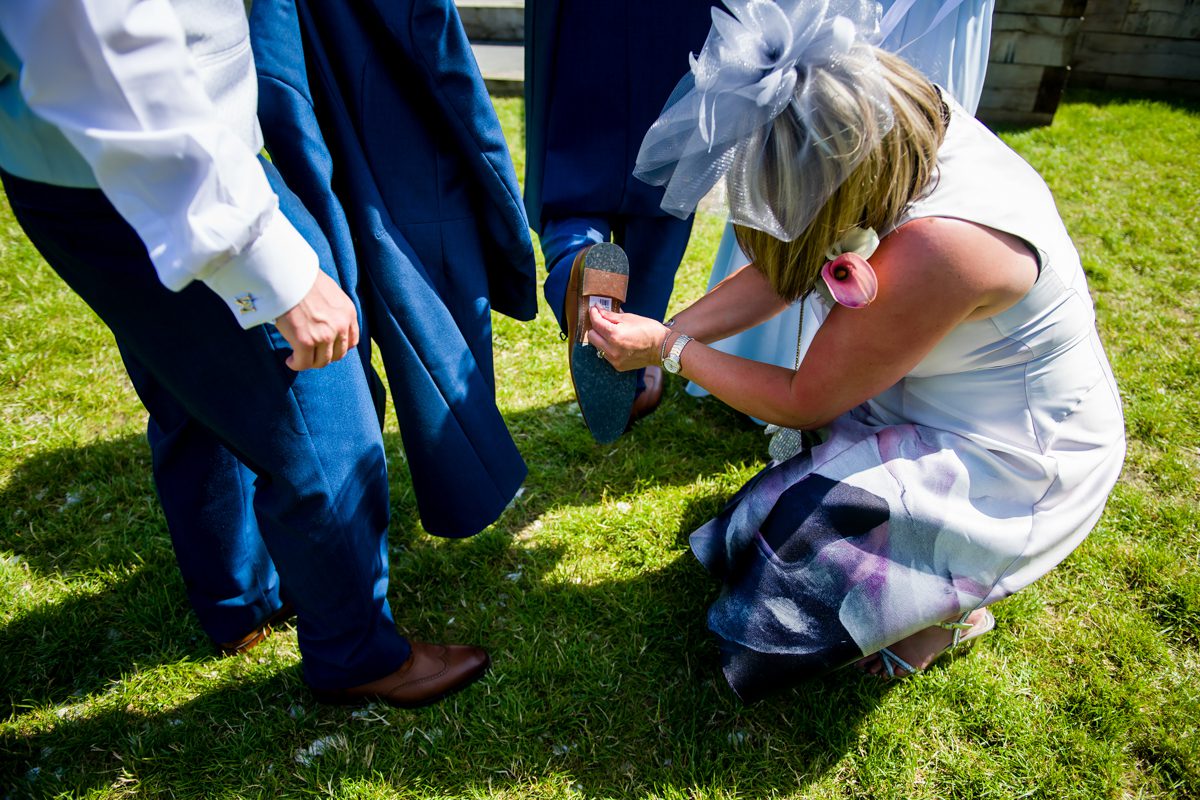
[(605, 681)]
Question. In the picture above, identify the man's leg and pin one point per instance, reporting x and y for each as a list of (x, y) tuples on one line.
[(207, 497), (311, 438), (655, 246)]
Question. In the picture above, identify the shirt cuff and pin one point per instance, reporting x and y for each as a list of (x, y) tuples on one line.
[(269, 278)]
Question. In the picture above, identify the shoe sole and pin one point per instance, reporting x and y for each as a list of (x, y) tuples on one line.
[(605, 396)]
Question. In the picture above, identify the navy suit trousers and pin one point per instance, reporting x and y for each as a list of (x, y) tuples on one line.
[(271, 480)]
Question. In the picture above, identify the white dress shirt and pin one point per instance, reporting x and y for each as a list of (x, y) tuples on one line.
[(160, 99)]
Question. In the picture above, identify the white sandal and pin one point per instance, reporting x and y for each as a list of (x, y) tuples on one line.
[(963, 632)]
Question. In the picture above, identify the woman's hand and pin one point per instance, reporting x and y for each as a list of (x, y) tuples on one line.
[(627, 340)]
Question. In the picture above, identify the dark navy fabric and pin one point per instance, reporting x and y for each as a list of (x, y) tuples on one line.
[(780, 565), (268, 478), (376, 115), (594, 84)]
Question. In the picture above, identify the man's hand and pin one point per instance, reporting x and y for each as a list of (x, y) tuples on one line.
[(321, 328)]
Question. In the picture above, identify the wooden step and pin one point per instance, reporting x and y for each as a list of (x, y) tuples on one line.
[(496, 29), (502, 66), (493, 21)]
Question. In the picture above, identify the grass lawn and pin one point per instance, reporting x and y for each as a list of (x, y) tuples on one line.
[(605, 680)]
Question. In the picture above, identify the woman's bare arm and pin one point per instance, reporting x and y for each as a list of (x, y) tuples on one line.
[(933, 275), (741, 301)]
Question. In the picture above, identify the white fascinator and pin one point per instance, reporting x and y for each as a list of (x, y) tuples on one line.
[(785, 99)]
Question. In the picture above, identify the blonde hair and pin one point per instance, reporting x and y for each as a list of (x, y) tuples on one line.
[(874, 195)]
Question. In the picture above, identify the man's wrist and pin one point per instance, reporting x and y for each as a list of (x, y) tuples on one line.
[(270, 277)]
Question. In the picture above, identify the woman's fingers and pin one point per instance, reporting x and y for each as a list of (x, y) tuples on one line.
[(627, 340)]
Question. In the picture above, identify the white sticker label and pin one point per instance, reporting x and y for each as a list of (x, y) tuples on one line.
[(604, 303)]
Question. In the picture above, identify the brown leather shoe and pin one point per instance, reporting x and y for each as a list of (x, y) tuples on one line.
[(431, 673), (605, 395), (285, 612), (646, 402)]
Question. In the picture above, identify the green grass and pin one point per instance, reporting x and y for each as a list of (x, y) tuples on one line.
[(605, 681)]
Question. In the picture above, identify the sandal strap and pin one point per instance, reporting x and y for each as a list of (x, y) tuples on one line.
[(891, 661), (959, 626)]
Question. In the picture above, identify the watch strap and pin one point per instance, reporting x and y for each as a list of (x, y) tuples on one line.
[(671, 362)]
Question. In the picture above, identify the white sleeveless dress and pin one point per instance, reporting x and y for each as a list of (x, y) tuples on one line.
[(974, 475)]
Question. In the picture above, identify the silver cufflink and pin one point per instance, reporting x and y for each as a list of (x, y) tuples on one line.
[(245, 303)]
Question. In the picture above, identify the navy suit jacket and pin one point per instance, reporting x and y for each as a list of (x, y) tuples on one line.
[(375, 114)]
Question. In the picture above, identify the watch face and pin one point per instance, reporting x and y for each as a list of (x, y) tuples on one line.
[(672, 362)]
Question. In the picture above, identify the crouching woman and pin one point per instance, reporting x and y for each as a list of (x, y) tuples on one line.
[(955, 424)]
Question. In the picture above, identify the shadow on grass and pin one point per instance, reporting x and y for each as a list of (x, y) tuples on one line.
[(606, 690), (1101, 97), (87, 518), (609, 687), (685, 440)]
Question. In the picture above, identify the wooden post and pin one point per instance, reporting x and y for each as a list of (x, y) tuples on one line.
[(1140, 45), (1033, 45)]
